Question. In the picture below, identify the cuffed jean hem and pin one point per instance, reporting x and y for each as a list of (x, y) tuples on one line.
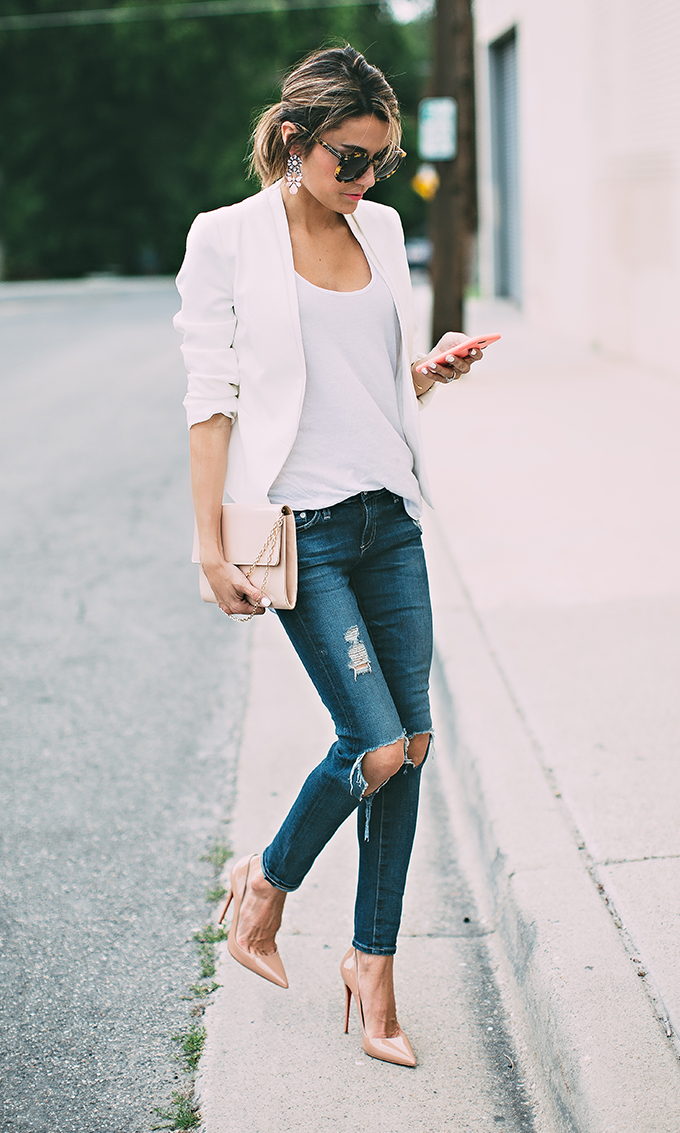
[(372, 950), (273, 880)]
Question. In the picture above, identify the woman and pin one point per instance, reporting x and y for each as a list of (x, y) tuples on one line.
[(298, 325)]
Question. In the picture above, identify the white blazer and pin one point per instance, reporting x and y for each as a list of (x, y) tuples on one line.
[(242, 339)]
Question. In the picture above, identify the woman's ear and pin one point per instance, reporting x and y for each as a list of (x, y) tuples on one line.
[(288, 131)]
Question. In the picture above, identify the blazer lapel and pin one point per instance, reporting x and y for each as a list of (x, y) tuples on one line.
[(382, 241), (286, 253), (268, 340)]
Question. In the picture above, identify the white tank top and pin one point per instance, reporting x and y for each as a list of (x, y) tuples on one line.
[(349, 439)]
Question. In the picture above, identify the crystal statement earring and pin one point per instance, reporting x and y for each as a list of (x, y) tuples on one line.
[(293, 173)]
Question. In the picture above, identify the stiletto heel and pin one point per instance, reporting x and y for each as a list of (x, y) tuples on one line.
[(397, 1049), (268, 966), (225, 907), (348, 1004)]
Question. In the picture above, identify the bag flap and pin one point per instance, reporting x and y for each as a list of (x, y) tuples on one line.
[(245, 530)]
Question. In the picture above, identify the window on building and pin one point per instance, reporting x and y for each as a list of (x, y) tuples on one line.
[(505, 166)]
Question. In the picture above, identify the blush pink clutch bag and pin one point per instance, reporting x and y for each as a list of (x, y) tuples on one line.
[(260, 541)]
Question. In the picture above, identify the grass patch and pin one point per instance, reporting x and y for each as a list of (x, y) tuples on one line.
[(182, 1113), (206, 938), (191, 1045), (217, 854), (215, 894), (202, 991)]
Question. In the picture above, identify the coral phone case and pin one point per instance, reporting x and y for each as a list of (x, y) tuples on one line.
[(460, 351)]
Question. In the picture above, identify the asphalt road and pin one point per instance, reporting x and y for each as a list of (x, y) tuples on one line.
[(121, 704)]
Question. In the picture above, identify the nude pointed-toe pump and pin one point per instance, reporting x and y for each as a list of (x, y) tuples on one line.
[(268, 966), (397, 1049)]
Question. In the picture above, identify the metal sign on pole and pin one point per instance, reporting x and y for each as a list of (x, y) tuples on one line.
[(437, 129)]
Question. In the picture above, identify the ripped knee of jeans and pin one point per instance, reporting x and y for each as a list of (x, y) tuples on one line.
[(390, 758), (385, 761), (417, 748)]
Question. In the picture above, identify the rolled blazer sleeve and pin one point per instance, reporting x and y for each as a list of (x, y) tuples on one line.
[(208, 322)]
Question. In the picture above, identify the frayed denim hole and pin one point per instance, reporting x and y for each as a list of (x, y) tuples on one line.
[(359, 661), (357, 783), (430, 748), (357, 787), (368, 806)]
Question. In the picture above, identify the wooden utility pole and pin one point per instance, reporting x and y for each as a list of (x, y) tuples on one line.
[(453, 212)]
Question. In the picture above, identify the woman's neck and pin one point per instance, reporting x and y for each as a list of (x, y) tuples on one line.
[(305, 212)]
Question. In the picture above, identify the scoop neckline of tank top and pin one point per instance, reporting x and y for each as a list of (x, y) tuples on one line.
[(329, 291)]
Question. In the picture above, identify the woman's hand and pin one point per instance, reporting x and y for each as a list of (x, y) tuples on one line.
[(234, 593), (209, 442), (446, 373)]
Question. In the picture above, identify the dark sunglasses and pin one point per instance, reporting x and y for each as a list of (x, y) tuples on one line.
[(353, 165)]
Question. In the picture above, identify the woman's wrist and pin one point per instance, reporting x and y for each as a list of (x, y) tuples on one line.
[(211, 557), (418, 379)]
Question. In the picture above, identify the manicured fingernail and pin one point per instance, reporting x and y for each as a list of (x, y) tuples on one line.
[(421, 369), (265, 601), (450, 359), (432, 369)]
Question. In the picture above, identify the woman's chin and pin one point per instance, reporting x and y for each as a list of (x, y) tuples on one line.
[(348, 203)]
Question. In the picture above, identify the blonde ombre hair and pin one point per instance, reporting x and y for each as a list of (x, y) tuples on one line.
[(321, 93)]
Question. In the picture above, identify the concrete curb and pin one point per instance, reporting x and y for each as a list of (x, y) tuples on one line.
[(585, 1018)]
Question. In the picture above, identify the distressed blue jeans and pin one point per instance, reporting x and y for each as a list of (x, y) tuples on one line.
[(362, 627)]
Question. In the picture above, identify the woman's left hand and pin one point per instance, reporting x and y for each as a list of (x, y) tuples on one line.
[(445, 373)]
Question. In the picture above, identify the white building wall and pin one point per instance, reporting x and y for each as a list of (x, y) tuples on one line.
[(599, 136)]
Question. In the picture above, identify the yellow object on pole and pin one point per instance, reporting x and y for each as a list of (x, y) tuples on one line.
[(426, 181)]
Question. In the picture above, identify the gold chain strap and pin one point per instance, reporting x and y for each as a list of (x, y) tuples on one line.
[(270, 542)]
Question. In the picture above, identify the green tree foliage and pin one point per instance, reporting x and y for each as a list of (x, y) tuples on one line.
[(112, 137)]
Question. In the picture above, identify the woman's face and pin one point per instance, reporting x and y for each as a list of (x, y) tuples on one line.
[(318, 167)]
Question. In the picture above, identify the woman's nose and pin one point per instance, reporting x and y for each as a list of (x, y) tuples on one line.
[(367, 179)]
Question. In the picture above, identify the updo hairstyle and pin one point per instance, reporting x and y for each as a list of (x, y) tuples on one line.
[(326, 89)]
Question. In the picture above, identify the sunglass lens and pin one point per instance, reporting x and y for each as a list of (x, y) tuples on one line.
[(355, 165), (389, 166), (352, 167)]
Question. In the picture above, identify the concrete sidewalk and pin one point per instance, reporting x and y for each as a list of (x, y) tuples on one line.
[(544, 890), (554, 552), (277, 1061)]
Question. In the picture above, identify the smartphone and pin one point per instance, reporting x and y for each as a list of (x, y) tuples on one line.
[(460, 351)]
